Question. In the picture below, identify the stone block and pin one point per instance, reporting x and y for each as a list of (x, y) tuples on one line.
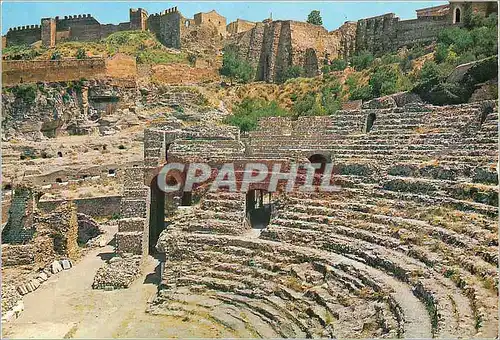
[(129, 242), (35, 283), (66, 264), (56, 267), (42, 276)]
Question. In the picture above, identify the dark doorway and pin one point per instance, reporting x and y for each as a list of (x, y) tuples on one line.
[(186, 199), (319, 159), (457, 16), (258, 208), (157, 215), (370, 120)]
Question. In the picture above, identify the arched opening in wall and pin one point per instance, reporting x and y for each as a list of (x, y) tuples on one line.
[(7, 187), (457, 17), (258, 208), (59, 154), (58, 180), (369, 122), (112, 172), (186, 23), (321, 160), (485, 111), (310, 63)]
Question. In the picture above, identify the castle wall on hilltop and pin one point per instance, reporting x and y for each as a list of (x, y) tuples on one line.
[(167, 25)]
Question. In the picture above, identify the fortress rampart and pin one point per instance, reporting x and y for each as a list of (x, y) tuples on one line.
[(31, 71)]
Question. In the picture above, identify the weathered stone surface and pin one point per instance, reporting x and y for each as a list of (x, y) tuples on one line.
[(119, 272), (56, 267), (66, 264)]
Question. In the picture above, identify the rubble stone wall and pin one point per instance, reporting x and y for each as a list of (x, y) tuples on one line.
[(96, 207)]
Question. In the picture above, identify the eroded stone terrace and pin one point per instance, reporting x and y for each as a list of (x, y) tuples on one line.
[(407, 248)]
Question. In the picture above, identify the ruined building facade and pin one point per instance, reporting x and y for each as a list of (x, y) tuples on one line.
[(274, 46), (168, 26)]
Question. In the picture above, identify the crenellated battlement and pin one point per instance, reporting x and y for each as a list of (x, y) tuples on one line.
[(24, 28)]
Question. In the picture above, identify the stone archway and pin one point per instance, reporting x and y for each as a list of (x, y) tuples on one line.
[(457, 16), (310, 63)]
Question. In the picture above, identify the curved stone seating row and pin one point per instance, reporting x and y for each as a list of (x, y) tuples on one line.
[(305, 292), (413, 255)]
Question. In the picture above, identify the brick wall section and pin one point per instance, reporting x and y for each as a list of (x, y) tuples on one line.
[(96, 207), (239, 26), (387, 33)]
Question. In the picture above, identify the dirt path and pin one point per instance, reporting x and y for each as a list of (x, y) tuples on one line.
[(67, 306)]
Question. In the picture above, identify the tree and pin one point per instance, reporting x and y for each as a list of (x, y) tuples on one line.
[(315, 18), (235, 68)]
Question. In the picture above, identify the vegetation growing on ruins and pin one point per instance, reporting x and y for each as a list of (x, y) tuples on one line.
[(236, 68), (315, 18), (247, 113), (142, 45)]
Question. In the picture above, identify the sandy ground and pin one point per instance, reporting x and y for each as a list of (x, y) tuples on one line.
[(66, 306)]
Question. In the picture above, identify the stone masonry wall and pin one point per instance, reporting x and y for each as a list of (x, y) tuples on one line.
[(132, 236), (96, 207), (15, 72), (24, 35), (19, 228)]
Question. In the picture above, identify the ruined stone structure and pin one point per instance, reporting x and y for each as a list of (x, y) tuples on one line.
[(394, 253), (239, 26), (31, 71), (274, 46), (168, 25)]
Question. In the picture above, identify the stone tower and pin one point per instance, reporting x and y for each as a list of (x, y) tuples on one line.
[(48, 32), (138, 18)]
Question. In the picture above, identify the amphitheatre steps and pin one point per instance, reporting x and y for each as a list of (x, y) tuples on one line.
[(284, 255), (331, 218), (234, 285)]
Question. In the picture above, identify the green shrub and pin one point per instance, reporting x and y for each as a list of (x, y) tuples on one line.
[(247, 113), (56, 56), (235, 68), (387, 80), (315, 18), (81, 54), (292, 72), (362, 60), (338, 65), (357, 91), (26, 93)]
